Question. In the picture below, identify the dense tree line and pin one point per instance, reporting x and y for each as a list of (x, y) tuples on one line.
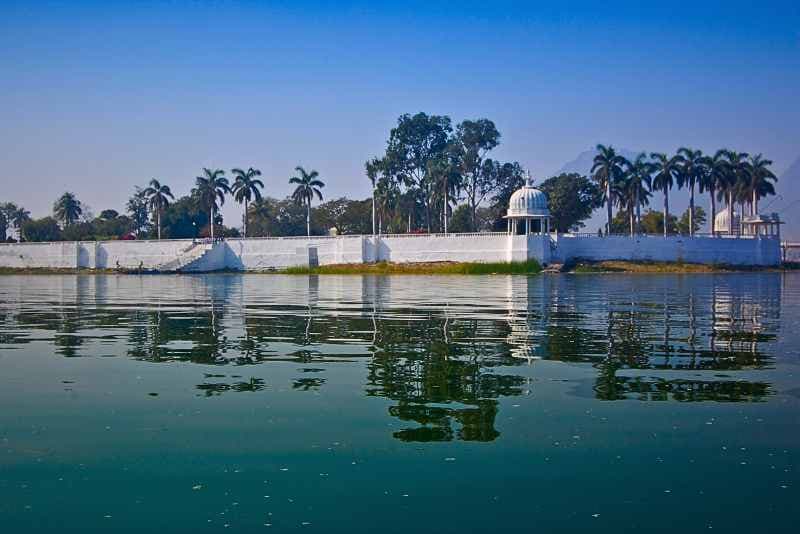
[(432, 177), (728, 176)]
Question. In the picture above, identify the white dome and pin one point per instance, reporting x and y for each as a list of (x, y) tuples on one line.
[(528, 202), (721, 221)]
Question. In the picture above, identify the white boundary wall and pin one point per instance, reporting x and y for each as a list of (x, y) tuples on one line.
[(258, 254)]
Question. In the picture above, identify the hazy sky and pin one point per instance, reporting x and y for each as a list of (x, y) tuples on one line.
[(98, 96)]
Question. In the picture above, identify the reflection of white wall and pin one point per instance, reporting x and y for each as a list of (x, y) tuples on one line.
[(278, 253)]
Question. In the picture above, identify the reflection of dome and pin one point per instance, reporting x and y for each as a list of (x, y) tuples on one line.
[(721, 221), (528, 202)]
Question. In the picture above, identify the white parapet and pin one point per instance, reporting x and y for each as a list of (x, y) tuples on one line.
[(256, 254)]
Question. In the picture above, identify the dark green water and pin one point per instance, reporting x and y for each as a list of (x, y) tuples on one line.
[(247, 403)]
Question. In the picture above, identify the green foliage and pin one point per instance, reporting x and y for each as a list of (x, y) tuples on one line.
[(67, 209), (572, 198), (269, 217), (182, 219), (699, 220), (345, 215), (137, 210), (44, 229)]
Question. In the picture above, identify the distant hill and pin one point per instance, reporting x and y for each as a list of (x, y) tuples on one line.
[(787, 203)]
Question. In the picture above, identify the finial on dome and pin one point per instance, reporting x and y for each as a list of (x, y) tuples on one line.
[(529, 181)]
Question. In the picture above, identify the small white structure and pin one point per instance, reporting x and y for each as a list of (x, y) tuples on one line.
[(722, 222), (528, 212)]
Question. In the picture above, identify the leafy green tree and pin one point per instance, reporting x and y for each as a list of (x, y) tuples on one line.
[(345, 215), (7, 210), (472, 141), (271, 217), (665, 173), (607, 168), (108, 214), (67, 209), (308, 185), (138, 212), (44, 229), (510, 177), (653, 223), (413, 144), (182, 219), (690, 223), (572, 198), (691, 172), (210, 188), (158, 197), (246, 187)]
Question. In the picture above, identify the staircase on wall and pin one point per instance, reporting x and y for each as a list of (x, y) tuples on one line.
[(192, 254)]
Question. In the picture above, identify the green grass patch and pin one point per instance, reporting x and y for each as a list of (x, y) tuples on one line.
[(527, 267)]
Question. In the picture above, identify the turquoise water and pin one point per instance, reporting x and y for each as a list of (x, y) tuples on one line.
[(245, 403)]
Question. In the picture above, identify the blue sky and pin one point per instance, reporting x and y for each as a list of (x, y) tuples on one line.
[(99, 96)]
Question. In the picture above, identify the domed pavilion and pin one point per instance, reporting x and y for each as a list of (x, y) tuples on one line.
[(528, 212)]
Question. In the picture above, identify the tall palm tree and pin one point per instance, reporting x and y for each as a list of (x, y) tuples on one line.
[(761, 180), (67, 208), (158, 197), (738, 174), (210, 187), (636, 186), (246, 188), (666, 171), (691, 172), (606, 170), (308, 185), (713, 179)]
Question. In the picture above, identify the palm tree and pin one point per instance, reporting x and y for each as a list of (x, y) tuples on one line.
[(307, 186), (158, 197), (20, 216), (67, 208), (738, 174), (691, 173), (606, 170), (761, 180), (713, 179), (666, 172), (210, 187), (636, 188), (246, 188)]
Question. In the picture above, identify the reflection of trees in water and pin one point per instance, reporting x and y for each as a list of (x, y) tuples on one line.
[(439, 364), (662, 335), (449, 388)]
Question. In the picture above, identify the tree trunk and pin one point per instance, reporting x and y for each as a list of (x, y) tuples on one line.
[(638, 213), (245, 218), (373, 209), (308, 218), (713, 211), (730, 213), (630, 213), (666, 210), (691, 209), (755, 202), (158, 223), (212, 221), (445, 205), (608, 207)]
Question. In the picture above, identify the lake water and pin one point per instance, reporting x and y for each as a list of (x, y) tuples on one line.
[(245, 403)]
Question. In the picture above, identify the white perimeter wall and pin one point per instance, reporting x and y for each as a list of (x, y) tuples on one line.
[(706, 249), (279, 253)]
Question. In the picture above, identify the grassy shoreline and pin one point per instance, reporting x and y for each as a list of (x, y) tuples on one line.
[(453, 268)]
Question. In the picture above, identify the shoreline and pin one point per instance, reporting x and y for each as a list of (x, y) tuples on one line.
[(445, 268)]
